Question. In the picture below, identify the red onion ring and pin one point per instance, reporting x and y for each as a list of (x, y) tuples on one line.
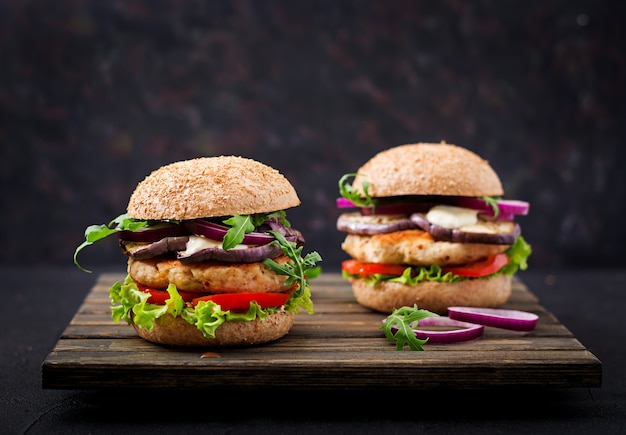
[(399, 208), (345, 203), (214, 231), (153, 234), (507, 207), (499, 318), (391, 208), (468, 331)]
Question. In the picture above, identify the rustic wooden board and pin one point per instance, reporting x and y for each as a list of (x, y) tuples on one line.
[(340, 347)]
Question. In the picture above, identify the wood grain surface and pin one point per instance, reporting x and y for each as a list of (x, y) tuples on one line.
[(340, 347)]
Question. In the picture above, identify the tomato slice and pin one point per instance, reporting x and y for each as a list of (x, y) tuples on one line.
[(356, 267), (490, 265), (159, 297), (241, 301)]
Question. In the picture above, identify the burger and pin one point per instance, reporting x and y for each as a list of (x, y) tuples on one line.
[(429, 227), (212, 260)]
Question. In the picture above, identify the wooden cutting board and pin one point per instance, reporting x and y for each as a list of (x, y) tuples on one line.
[(340, 347)]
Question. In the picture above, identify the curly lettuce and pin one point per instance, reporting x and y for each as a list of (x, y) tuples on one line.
[(518, 254), (130, 304)]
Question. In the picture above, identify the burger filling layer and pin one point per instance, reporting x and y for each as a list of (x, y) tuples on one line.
[(415, 248), (209, 277)]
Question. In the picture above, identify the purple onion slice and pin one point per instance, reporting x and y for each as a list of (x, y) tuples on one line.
[(499, 318), (214, 231), (397, 208), (507, 207), (153, 234), (455, 331), (345, 203)]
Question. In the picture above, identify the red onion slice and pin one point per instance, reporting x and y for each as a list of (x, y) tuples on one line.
[(153, 234), (345, 203), (499, 318), (506, 207), (214, 231), (399, 208), (391, 208), (463, 331)]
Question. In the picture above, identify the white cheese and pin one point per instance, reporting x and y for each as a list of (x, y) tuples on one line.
[(448, 216), (198, 243)]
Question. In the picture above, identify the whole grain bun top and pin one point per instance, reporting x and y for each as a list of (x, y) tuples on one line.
[(428, 169), (211, 186)]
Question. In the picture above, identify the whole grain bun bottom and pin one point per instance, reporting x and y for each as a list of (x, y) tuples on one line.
[(175, 331), (433, 296)]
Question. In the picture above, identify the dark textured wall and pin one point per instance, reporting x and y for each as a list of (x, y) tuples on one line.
[(96, 94)]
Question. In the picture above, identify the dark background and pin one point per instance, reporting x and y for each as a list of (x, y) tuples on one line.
[(96, 94)]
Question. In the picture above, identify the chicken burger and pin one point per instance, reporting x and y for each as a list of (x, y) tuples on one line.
[(212, 259), (429, 228)]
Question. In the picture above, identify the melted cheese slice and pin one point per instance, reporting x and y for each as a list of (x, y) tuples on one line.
[(448, 216), (197, 243)]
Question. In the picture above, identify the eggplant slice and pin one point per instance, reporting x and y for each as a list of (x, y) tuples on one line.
[(142, 251), (247, 255), (488, 231), (493, 232), (355, 223)]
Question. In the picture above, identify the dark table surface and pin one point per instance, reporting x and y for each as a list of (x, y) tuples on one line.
[(39, 303)]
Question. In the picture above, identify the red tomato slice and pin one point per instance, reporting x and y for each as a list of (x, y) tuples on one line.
[(160, 296), (356, 267), (241, 301), (491, 265)]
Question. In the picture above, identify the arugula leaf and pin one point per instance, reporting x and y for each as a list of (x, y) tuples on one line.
[(130, 304), (492, 201), (405, 319), (346, 190), (279, 216), (518, 255), (93, 233), (240, 225), (246, 223), (299, 269)]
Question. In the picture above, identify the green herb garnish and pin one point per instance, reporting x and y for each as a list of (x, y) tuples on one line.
[(346, 190), (299, 269), (93, 233), (492, 201), (246, 223), (406, 319)]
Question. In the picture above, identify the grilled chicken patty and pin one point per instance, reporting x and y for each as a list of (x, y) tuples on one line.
[(215, 277), (415, 248)]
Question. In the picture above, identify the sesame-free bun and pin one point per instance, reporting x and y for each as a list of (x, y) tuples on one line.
[(209, 187), (385, 296), (175, 331), (428, 169)]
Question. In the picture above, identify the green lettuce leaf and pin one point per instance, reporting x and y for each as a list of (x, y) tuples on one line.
[(207, 316), (518, 254), (93, 233)]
